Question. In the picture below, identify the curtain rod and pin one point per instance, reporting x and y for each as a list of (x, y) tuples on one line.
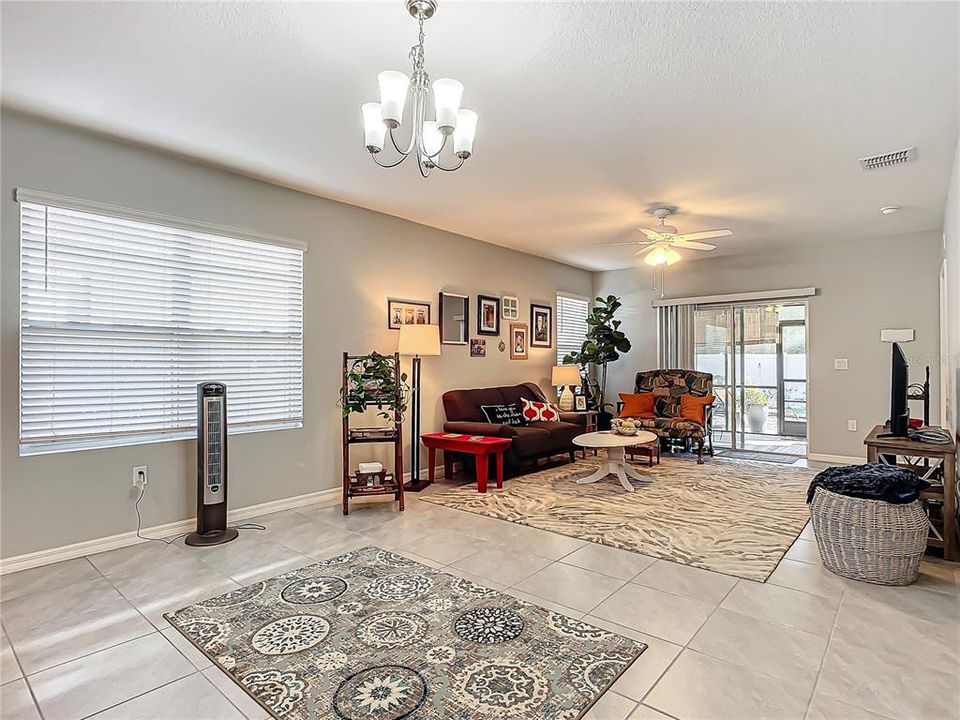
[(737, 297)]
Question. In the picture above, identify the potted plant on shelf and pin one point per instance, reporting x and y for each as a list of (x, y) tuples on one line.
[(757, 401), (603, 344), (372, 381)]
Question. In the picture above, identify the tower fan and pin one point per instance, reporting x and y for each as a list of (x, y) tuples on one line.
[(211, 467)]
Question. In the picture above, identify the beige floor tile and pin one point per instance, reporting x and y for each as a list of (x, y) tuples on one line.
[(859, 677), (609, 560), (540, 542), (571, 586), (251, 558), (16, 701), (447, 546), (346, 544), (808, 577), (501, 565), (611, 706), (47, 578), (807, 533), (826, 708), (940, 576), (637, 680), (703, 585), (46, 631), (910, 601), (699, 686), (395, 535), (235, 694), (777, 650), (804, 550), (541, 602), (418, 558), (190, 698), (99, 681), (310, 537), (643, 712), (673, 618), (186, 648), (9, 667), (451, 570), (800, 610)]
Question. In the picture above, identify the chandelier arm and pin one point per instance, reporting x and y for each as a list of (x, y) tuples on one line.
[(406, 152), (388, 165), (424, 170), (433, 158), (449, 169)]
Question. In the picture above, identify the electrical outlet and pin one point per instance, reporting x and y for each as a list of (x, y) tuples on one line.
[(141, 475), (852, 425), (840, 364)]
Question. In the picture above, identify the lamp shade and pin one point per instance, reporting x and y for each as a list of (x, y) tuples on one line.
[(464, 134), (446, 95), (565, 375), (393, 95), (374, 131), (419, 340)]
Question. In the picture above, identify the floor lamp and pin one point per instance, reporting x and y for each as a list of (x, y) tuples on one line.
[(417, 340)]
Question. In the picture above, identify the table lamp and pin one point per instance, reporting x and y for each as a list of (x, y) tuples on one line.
[(566, 376), (417, 340)]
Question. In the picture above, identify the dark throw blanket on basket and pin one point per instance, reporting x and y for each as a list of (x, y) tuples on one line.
[(872, 481)]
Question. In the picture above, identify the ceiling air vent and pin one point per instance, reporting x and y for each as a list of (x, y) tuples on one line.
[(888, 159)]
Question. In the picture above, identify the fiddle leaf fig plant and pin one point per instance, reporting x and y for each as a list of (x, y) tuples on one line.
[(372, 381), (604, 343)]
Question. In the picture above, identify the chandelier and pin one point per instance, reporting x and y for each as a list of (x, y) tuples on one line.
[(451, 125)]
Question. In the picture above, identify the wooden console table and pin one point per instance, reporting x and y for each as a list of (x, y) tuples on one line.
[(925, 459), (481, 446)]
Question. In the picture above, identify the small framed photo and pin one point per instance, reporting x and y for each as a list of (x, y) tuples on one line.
[(580, 403), (478, 347), (519, 341), (511, 307), (541, 321), (488, 315), (407, 312)]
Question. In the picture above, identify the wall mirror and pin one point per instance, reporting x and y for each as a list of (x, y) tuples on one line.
[(454, 318)]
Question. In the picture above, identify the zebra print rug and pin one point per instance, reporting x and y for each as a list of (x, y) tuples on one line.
[(732, 517)]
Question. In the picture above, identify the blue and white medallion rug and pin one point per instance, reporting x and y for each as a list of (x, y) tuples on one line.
[(372, 635)]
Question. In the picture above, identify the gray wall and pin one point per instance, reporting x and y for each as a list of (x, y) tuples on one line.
[(863, 285), (356, 259), (951, 305)]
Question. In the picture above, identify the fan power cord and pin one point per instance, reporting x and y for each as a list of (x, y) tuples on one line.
[(136, 507), (935, 436)]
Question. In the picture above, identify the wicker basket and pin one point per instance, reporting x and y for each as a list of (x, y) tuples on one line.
[(869, 540)]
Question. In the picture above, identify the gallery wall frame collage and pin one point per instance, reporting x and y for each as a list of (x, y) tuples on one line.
[(455, 326)]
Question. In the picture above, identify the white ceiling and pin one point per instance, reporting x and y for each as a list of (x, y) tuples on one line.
[(743, 115)]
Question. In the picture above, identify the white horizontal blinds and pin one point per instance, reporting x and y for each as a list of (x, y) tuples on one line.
[(120, 319), (571, 324)]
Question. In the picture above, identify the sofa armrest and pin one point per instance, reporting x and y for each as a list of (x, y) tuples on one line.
[(479, 428), (574, 418)]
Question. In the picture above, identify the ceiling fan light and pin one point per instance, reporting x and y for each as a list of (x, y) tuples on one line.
[(657, 256), (465, 132), (673, 257), (374, 131), (447, 93), (393, 96)]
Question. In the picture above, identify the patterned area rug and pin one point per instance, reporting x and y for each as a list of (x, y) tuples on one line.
[(371, 635), (758, 456), (733, 517)]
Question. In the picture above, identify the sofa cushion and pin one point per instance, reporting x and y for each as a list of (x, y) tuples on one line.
[(529, 440), (465, 404), (524, 391), (561, 433), (674, 427), (668, 385)]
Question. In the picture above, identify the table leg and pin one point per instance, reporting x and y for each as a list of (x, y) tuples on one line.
[(500, 468), (432, 460), (604, 470), (447, 465), (950, 507), (482, 471)]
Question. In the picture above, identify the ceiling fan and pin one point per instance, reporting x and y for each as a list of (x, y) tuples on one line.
[(663, 241)]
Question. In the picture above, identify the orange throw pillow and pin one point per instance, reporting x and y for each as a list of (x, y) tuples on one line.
[(691, 406), (637, 405)]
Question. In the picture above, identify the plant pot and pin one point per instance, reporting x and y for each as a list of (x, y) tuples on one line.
[(603, 420), (757, 417)]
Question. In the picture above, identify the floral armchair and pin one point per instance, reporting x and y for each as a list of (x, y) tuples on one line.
[(667, 386)]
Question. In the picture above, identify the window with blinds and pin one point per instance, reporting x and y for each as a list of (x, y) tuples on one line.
[(571, 324), (121, 317)]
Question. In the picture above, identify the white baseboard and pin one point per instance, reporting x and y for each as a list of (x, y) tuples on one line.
[(330, 496), (837, 459)]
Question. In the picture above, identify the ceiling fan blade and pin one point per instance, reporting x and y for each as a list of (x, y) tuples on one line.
[(704, 235), (632, 242), (695, 246), (650, 233)]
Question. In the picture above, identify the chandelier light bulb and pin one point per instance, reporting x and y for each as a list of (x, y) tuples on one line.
[(393, 95), (657, 256), (446, 97), (374, 131), (465, 132)]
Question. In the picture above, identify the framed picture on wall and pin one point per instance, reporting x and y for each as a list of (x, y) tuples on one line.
[(511, 307), (488, 315), (541, 324), (478, 347), (518, 341), (407, 312)]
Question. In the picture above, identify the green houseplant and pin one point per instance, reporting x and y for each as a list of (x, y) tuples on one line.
[(372, 381), (603, 344)]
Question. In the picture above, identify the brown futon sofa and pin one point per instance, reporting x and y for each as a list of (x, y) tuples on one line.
[(530, 442)]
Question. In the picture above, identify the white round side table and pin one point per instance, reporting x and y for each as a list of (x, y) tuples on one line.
[(616, 463)]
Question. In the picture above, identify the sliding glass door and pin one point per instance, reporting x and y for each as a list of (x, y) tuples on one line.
[(757, 354)]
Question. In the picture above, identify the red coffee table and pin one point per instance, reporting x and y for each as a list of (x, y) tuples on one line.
[(481, 446)]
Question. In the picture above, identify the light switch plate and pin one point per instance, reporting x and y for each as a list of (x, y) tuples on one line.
[(840, 364), (852, 425)]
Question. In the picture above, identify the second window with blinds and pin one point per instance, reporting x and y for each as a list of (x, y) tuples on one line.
[(572, 313), (121, 316)]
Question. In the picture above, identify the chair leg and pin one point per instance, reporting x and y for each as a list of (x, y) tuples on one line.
[(699, 451), (573, 456)]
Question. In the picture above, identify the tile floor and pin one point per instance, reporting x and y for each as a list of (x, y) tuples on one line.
[(86, 638)]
